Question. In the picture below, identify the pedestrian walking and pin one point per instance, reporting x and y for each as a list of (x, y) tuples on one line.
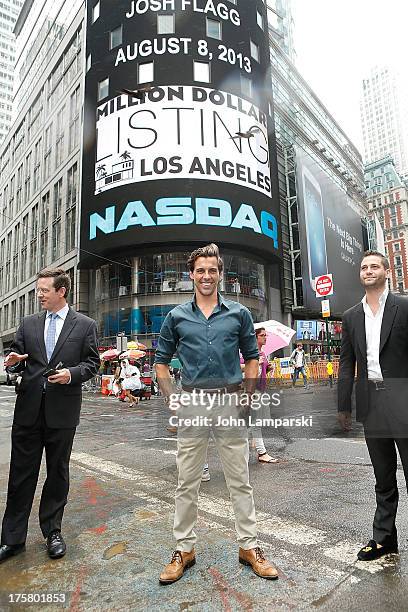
[(330, 370), (208, 332), (298, 359), (375, 337), (56, 352)]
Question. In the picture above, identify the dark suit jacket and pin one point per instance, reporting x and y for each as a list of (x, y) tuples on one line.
[(76, 348), (393, 359)]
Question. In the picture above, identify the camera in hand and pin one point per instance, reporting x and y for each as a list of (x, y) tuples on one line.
[(53, 371)]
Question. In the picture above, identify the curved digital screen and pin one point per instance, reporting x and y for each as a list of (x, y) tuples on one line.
[(179, 144)]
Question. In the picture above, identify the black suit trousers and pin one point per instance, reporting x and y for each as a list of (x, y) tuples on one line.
[(382, 442), (27, 446)]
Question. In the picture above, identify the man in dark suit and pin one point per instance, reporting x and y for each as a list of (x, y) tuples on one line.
[(375, 337), (47, 410)]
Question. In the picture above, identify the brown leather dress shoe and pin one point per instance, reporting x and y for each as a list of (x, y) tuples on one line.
[(180, 561), (255, 558)]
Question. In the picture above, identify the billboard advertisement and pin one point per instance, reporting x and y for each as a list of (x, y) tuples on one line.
[(179, 143), (331, 237)]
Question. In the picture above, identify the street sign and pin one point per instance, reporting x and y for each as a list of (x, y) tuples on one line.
[(326, 308), (324, 285), (121, 343)]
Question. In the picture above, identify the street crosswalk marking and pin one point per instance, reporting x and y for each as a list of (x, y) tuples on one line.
[(285, 530), (6, 413)]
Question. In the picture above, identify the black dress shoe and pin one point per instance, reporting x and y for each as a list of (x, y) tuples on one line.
[(56, 546), (10, 551), (373, 551)]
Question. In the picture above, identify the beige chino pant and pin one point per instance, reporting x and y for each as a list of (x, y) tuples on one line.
[(232, 446)]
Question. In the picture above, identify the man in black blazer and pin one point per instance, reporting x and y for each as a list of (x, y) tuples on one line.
[(375, 337), (47, 410)]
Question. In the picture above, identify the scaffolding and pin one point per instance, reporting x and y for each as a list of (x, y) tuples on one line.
[(289, 156)]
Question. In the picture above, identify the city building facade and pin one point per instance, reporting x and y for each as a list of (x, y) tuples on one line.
[(387, 195), (384, 117), (281, 25), (130, 286), (9, 11), (40, 156), (304, 124)]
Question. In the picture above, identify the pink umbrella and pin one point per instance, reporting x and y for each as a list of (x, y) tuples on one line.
[(278, 335)]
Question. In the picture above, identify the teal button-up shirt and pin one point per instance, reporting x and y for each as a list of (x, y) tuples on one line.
[(208, 349)]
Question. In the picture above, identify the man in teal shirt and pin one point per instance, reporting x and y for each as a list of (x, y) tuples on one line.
[(208, 332)]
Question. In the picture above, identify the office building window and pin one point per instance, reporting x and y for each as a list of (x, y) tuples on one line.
[(43, 249), (59, 137), (166, 24), (6, 317), (202, 72), (72, 186), (31, 302), (103, 89), (56, 239), (21, 307), (23, 264), (214, 28), (57, 199), (259, 20), (45, 209), (37, 165), (96, 11), (145, 72), (33, 257), (34, 221), (246, 86), (13, 313), (74, 120), (70, 224), (115, 37), (255, 51), (47, 151)]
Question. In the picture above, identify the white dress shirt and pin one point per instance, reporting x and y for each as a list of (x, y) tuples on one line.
[(59, 323), (373, 332)]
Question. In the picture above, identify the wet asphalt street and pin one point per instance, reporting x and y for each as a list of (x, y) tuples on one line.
[(314, 511)]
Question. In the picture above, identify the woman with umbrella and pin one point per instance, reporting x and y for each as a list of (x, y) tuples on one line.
[(264, 368), (271, 336)]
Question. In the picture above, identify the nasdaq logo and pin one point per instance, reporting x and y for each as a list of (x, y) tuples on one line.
[(185, 211)]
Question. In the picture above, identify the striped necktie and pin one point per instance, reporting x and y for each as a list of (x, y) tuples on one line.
[(51, 331)]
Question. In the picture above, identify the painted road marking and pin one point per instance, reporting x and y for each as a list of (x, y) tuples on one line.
[(285, 530), (344, 440), (6, 413), (345, 552), (154, 439)]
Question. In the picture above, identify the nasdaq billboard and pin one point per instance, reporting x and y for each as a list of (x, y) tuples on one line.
[(331, 236), (178, 142)]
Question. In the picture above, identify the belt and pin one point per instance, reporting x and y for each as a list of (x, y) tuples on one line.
[(377, 385), (226, 389)]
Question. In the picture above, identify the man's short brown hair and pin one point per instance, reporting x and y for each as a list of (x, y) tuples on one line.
[(210, 250), (384, 259), (61, 278)]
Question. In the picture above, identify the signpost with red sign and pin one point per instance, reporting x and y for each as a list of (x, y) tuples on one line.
[(324, 288), (324, 285)]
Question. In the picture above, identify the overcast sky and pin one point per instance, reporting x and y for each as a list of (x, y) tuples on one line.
[(338, 41)]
